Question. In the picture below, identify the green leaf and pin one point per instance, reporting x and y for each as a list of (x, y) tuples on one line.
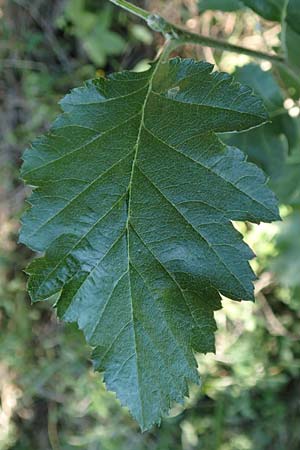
[(93, 30), (286, 263), (267, 146), (292, 33), (269, 9), (288, 185), (133, 200), (221, 5), (289, 74), (263, 83), (275, 146), (289, 80), (293, 15), (111, 44)]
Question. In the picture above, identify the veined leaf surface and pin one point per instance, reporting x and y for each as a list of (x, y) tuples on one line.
[(133, 201)]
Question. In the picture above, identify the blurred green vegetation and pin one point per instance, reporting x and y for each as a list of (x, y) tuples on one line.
[(49, 396)]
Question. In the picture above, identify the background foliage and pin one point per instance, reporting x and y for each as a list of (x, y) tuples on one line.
[(50, 399)]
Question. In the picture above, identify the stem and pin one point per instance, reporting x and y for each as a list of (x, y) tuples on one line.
[(139, 12), (168, 47), (186, 37), (181, 36)]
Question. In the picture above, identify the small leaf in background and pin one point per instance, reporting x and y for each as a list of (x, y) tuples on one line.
[(100, 43), (93, 29), (288, 186), (286, 265), (289, 81), (220, 5), (268, 9), (263, 83), (269, 145), (132, 202), (292, 32), (265, 147)]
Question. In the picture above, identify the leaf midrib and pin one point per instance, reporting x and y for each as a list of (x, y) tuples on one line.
[(136, 149)]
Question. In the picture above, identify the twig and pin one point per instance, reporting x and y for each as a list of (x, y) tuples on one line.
[(181, 36), (274, 325), (52, 427), (136, 10)]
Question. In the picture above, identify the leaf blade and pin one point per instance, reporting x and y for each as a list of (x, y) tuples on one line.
[(133, 206)]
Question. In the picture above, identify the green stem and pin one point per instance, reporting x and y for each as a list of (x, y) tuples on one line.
[(140, 12), (181, 36), (185, 37), (168, 48)]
